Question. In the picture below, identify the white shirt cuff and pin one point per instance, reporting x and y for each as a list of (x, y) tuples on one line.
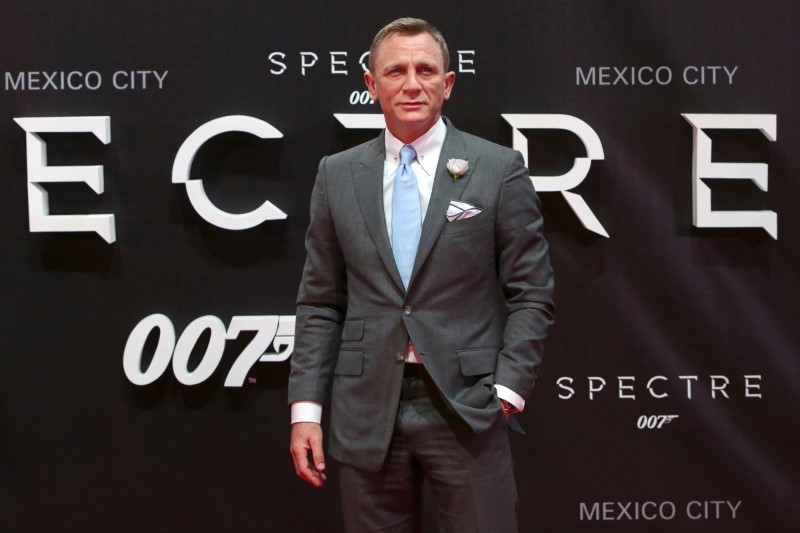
[(306, 411), (504, 393)]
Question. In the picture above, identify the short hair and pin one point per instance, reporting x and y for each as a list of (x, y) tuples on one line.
[(408, 26)]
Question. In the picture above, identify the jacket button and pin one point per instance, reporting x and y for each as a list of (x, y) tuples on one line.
[(407, 310), (400, 356)]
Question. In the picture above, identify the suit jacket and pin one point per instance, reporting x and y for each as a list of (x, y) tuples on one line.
[(478, 305)]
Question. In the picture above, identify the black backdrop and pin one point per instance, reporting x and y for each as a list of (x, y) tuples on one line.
[(659, 303)]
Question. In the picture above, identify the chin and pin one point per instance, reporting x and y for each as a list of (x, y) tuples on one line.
[(415, 118)]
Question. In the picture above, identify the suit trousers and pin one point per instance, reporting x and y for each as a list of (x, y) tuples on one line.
[(471, 476)]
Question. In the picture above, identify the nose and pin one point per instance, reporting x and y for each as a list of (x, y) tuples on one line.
[(411, 82)]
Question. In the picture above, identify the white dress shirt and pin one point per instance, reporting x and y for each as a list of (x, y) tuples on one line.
[(428, 148)]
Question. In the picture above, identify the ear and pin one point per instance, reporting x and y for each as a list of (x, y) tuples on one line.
[(369, 79), (449, 80)]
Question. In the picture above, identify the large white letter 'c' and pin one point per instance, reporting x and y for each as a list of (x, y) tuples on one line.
[(194, 187)]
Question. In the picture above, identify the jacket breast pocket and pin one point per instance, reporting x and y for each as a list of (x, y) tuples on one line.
[(468, 225), (350, 363)]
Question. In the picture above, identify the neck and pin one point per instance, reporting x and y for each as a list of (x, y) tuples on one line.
[(411, 133)]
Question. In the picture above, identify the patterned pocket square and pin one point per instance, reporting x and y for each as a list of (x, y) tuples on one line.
[(461, 211)]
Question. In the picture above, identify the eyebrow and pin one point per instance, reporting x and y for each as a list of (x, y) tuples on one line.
[(429, 64), (420, 63), (389, 66)]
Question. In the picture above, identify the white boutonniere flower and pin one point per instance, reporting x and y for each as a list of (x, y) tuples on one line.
[(457, 167)]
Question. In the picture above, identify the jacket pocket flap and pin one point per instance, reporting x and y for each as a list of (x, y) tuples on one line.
[(353, 330), (350, 363), (477, 361)]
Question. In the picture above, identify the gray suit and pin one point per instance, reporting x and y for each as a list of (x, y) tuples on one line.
[(478, 306)]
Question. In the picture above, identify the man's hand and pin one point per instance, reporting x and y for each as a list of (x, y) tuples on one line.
[(307, 437), (508, 409)]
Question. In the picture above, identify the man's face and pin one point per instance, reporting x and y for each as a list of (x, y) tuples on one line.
[(410, 83)]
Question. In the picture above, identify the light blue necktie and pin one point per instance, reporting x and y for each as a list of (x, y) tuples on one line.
[(406, 217)]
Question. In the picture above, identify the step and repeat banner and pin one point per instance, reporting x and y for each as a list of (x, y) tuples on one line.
[(156, 164)]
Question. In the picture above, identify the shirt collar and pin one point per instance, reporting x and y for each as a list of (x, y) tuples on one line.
[(428, 147)]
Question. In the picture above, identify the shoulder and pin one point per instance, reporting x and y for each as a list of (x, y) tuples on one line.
[(366, 151), (480, 146), (494, 161), (488, 148)]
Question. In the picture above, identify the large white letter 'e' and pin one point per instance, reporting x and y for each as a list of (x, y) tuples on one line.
[(704, 168)]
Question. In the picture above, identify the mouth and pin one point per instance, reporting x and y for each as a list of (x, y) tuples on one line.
[(411, 105)]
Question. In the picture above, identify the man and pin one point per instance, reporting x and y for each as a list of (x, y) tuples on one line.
[(424, 304)]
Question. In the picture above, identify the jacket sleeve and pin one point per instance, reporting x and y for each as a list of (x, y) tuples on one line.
[(321, 303), (526, 279)]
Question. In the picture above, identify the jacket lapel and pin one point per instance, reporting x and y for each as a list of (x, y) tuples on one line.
[(445, 188), (368, 182)]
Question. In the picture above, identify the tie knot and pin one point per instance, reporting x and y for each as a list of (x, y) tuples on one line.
[(407, 154)]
